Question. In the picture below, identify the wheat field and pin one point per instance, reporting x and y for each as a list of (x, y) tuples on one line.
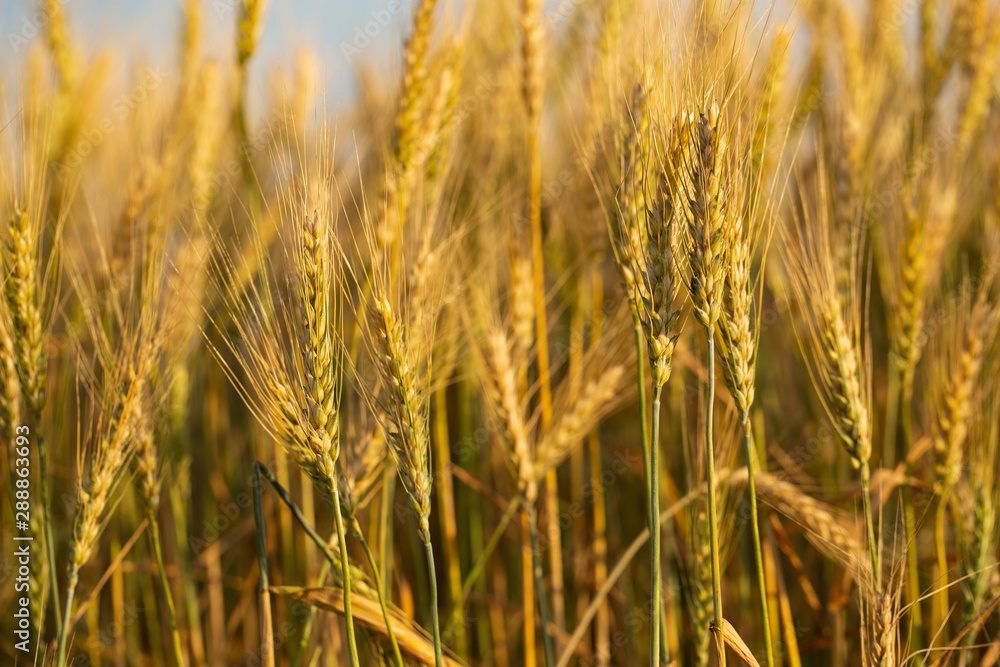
[(594, 332)]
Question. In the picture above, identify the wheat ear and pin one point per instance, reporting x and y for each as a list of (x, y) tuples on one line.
[(957, 402), (533, 32), (884, 622), (250, 25), (23, 303), (837, 367), (111, 453), (406, 430), (408, 116), (953, 416), (706, 240), (10, 385), (660, 323), (645, 241), (823, 526), (738, 353), (322, 388)]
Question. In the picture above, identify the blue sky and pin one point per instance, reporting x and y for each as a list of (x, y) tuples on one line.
[(148, 29)]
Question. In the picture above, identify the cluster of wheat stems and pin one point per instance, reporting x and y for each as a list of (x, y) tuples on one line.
[(601, 332)]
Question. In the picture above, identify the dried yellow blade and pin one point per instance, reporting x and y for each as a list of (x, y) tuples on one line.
[(412, 639), (735, 643)]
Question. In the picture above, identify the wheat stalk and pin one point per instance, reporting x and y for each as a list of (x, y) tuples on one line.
[(702, 598), (837, 367), (405, 427), (359, 473), (109, 457), (297, 399), (532, 450), (22, 293), (645, 238), (923, 225), (956, 404), (150, 480), (706, 240), (660, 322), (532, 57), (738, 353), (954, 413), (321, 379), (979, 507)]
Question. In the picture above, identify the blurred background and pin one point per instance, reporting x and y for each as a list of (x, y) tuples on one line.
[(147, 30)]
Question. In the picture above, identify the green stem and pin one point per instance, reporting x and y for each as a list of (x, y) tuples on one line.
[(757, 553), (331, 558), (71, 581), (480, 566), (615, 574), (640, 381), (909, 520), (425, 537), (50, 554), (385, 524), (345, 568), (154, 536), (324, 571), (446, 503), (245, 148), (195, 639), (654, 541), (866, 498), (266, 636), (713, 528), (536, 560), (941, 585), (891, 417), (356, 529)]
